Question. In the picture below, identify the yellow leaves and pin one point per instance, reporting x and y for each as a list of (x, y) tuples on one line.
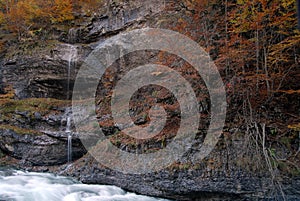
[(280, 51), (240, 2), (2, 18), (26, 10), (62, 11), (287, 3), (295, 127), (259, 14), (290, 42), (23, 15)]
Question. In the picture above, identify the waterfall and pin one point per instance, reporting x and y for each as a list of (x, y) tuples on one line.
[(71, 57), (68, 131), (72, 35)]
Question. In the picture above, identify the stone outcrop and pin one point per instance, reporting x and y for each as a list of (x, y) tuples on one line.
[(38, 138), (38, 149), (227, 174), (43, 71), (45, 74)]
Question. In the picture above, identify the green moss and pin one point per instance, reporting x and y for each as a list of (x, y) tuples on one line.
[(42, 105), (10, 109), (31, 47), (18, 130)]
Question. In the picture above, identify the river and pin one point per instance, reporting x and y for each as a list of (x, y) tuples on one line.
[(30, 186)]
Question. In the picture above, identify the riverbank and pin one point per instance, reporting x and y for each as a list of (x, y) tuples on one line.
[(257, 155), (22, 186)]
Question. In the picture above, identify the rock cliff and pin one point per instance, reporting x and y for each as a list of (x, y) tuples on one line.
[(36, 85)]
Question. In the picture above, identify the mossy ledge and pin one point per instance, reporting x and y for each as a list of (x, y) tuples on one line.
[(42, 105), (20, 131)]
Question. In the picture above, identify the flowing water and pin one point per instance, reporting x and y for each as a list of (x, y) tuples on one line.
[(24, 186), (71, 56), (68, 130), (69, 148), (72, 35)]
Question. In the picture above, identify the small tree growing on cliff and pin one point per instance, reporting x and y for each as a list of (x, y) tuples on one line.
[(62, 11)]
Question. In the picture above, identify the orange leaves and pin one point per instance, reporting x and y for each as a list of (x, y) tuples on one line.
[(20, 16), (262, 21), (290, 92), (260, 14), (262, 35), (2, 18), (62, 11), (283, 52), (295, 127), (23, 16)]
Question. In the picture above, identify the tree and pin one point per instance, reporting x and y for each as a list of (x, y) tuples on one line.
[(256, 27), (23, 15), (62, 11), (20, 16)]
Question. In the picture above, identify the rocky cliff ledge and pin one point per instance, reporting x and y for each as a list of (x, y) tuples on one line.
[(36, 84)]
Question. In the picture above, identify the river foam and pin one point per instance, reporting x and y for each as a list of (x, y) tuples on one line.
[(26, 186)]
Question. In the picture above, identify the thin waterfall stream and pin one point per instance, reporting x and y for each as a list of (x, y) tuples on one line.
[(72, 57), (68, 131), (71, 54)]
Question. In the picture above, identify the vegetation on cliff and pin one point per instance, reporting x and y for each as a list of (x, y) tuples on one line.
[(17, 115), (254, 43), (34, 22), (31, 16)]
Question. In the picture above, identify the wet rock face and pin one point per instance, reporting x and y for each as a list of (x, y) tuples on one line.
[(38, 135), (38, 149), (48, 74), (51, 74), (1, 82), (118, 16)]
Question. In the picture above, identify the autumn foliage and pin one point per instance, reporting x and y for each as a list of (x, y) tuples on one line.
[(20, 16), (255, 45), (255, 40)]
